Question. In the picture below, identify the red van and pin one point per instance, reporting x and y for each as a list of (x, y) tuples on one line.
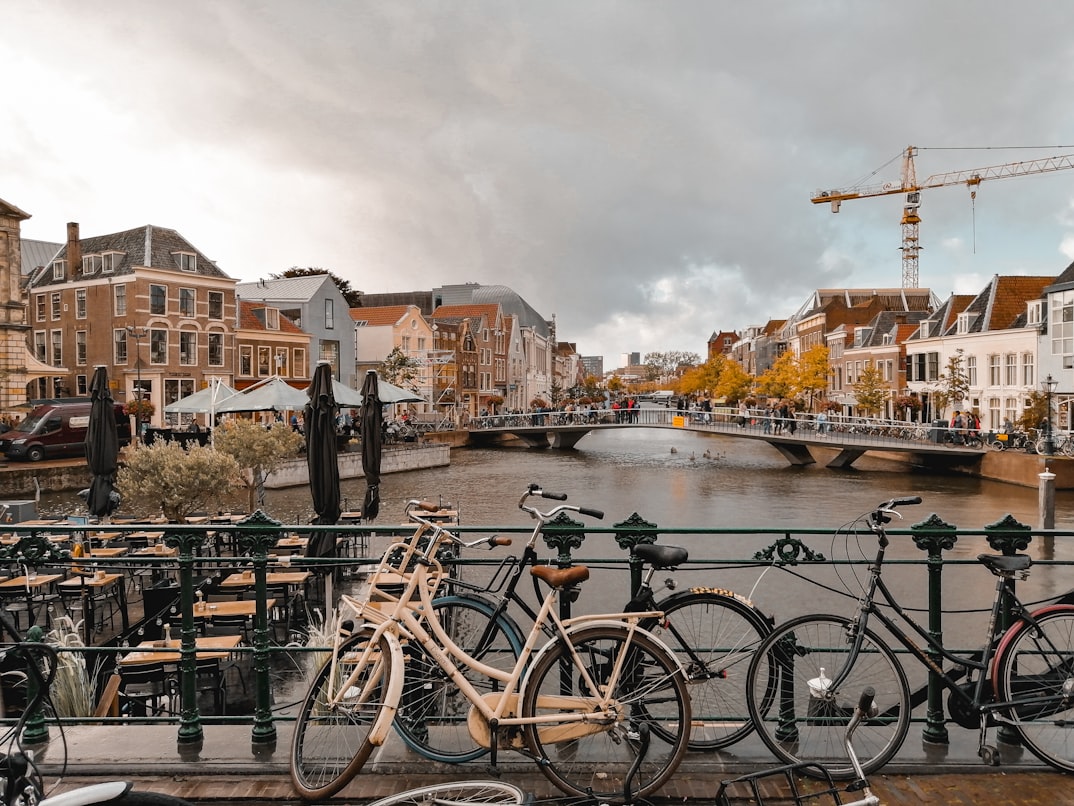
[(57, 428)]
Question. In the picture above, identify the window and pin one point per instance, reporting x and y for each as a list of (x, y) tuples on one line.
[(216, 349), (40, 306), (1010, 375), (216, 304), (176, 389), (158, 300), (187, 261), (272, 319), (39, 345), (80, 303), (421, 344), (81, 387), (246, 360), (57, 348), (59, 269), (281, 361), (329, 314), (405, 344), (119, 338), (1061, 323), (158, 347), (1029, 373), (298, 366), (119, 300), (91, 264), (80, 347), (971, 370), (263, 365), (993, 370), (330, 353), (1033, 312), (56, 308), (110, 261), (186, 302), (933, 368), (188, 347), (965, 322)]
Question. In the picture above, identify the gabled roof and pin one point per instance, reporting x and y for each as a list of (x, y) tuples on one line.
[(1000, 305), (289, 289), (380, 316), (9, 209), (250, 320), (36, 254), (144, 247)]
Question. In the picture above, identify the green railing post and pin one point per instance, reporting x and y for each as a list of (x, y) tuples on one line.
[(257, 544), (1008, 537), (935, 536), (188, 543), (632, 532), (35, 730), (784, 654), (563, 534)]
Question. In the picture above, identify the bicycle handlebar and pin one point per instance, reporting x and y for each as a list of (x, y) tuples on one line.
[(536, 490)]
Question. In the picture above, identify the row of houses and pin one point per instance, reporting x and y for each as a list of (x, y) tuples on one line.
[(1008, 341), (166, 320)]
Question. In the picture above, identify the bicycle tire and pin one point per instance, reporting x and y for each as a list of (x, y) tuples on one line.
[(330, 746), (1036, 660), (798, 727), (431, 719), (457, 793), (714, 635), (650, 689)]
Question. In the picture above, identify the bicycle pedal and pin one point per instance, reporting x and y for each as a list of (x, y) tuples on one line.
[(989, 755)]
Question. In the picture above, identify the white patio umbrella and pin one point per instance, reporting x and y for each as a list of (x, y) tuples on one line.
[(204, 401), (272, 394), (390, 393)]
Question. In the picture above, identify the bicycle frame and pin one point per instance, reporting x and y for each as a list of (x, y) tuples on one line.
[(403, 616)]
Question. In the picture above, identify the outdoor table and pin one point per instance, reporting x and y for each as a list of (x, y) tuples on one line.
[(289, 578), (239, 607), (30, 586), (40, 522), (207, 647), (112, 551), (156, 572), (103, 537), (98, 583)]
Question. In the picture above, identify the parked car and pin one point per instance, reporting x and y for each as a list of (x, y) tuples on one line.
[(57, 428)]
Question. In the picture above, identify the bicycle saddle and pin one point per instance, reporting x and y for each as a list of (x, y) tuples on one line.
[(662, 556), (1003, 563), (560, 577)]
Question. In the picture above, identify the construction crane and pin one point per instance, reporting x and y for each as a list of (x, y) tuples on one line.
[(912, 188)]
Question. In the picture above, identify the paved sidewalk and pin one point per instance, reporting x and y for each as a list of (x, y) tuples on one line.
[(225, 770)]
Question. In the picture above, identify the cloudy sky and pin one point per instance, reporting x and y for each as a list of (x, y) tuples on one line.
[(641, 170)]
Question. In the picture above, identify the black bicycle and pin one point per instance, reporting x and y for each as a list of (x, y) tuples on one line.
[(712, 631)]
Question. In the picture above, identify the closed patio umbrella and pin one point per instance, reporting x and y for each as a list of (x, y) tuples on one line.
[(372, 445), (102, 447), (322, 461)]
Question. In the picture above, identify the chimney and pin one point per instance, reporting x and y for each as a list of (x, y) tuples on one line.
[(74, 251)]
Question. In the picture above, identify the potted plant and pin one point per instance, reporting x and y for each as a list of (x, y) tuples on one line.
[(140, 409)]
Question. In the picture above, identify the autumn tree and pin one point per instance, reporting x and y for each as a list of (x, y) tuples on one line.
[(735, 384), (871, 390), (168, 478), (354, 298), (257, 450), (781, 379), (813, 371)]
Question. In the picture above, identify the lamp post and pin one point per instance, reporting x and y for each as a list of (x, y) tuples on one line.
[(1048, 385), (138, 333)]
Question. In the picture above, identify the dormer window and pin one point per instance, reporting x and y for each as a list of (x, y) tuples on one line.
[(110, 261), (272, 318), (965, 322), (91, 264), (59, 269), (923, 331), (1033, 311), (888, 339), (187, 261)]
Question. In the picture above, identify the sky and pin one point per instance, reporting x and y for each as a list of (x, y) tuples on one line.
[(642, 171)]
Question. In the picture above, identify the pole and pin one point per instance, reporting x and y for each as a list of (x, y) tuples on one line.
[(138, 333)]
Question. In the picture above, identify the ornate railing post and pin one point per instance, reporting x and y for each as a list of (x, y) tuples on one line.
[(564, 534), (1008, 537), (935, 536), (257, 543), (35, 730), (188, 543), (632, 532)]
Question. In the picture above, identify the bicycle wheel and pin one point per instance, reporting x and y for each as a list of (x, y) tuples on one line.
[(432, 712), (594, 759), (1035, 670), (458, 793), (331, 742), (714, 636), (802, 656)]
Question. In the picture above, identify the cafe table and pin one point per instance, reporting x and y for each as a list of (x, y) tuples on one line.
[(111, 551), (30, 586), (207, 647), (95, 586)]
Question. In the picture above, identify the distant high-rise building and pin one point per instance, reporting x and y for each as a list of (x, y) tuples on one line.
[(594, 365), (629, 359)]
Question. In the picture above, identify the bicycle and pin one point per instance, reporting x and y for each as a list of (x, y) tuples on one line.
[(459, 793), (1023, 678), (828, 792), (583, 705), (22, 781), (713, 631)]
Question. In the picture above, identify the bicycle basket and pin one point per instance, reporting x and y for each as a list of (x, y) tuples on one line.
[(782, 785)]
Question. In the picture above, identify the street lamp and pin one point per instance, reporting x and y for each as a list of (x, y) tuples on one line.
[(138, 333), (1048, 385)]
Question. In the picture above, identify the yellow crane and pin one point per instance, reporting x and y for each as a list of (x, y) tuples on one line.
[(912, 188)]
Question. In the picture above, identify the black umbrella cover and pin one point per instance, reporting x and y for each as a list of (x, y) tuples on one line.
[(372, 445), (322, 459), (102, 447)]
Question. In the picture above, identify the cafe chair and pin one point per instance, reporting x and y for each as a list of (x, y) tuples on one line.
[(147, 689), (211, 678), (228, 625), (101, 601)]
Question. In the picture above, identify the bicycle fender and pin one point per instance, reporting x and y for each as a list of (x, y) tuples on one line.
[(383, 726), (86, 795), (1016, 628)]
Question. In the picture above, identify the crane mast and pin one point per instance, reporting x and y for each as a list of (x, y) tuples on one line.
[(909, 186)]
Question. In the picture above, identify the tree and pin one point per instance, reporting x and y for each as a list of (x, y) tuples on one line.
[(354, 298), (670, 364), (1035, 412), (871, 389), (257, 450), (400, 369), (615, 384), (168, 478), (813, 371), (735, 383), (953, 384), (781, 379)]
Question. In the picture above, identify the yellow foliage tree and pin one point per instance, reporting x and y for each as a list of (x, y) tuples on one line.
[(781, 379)]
